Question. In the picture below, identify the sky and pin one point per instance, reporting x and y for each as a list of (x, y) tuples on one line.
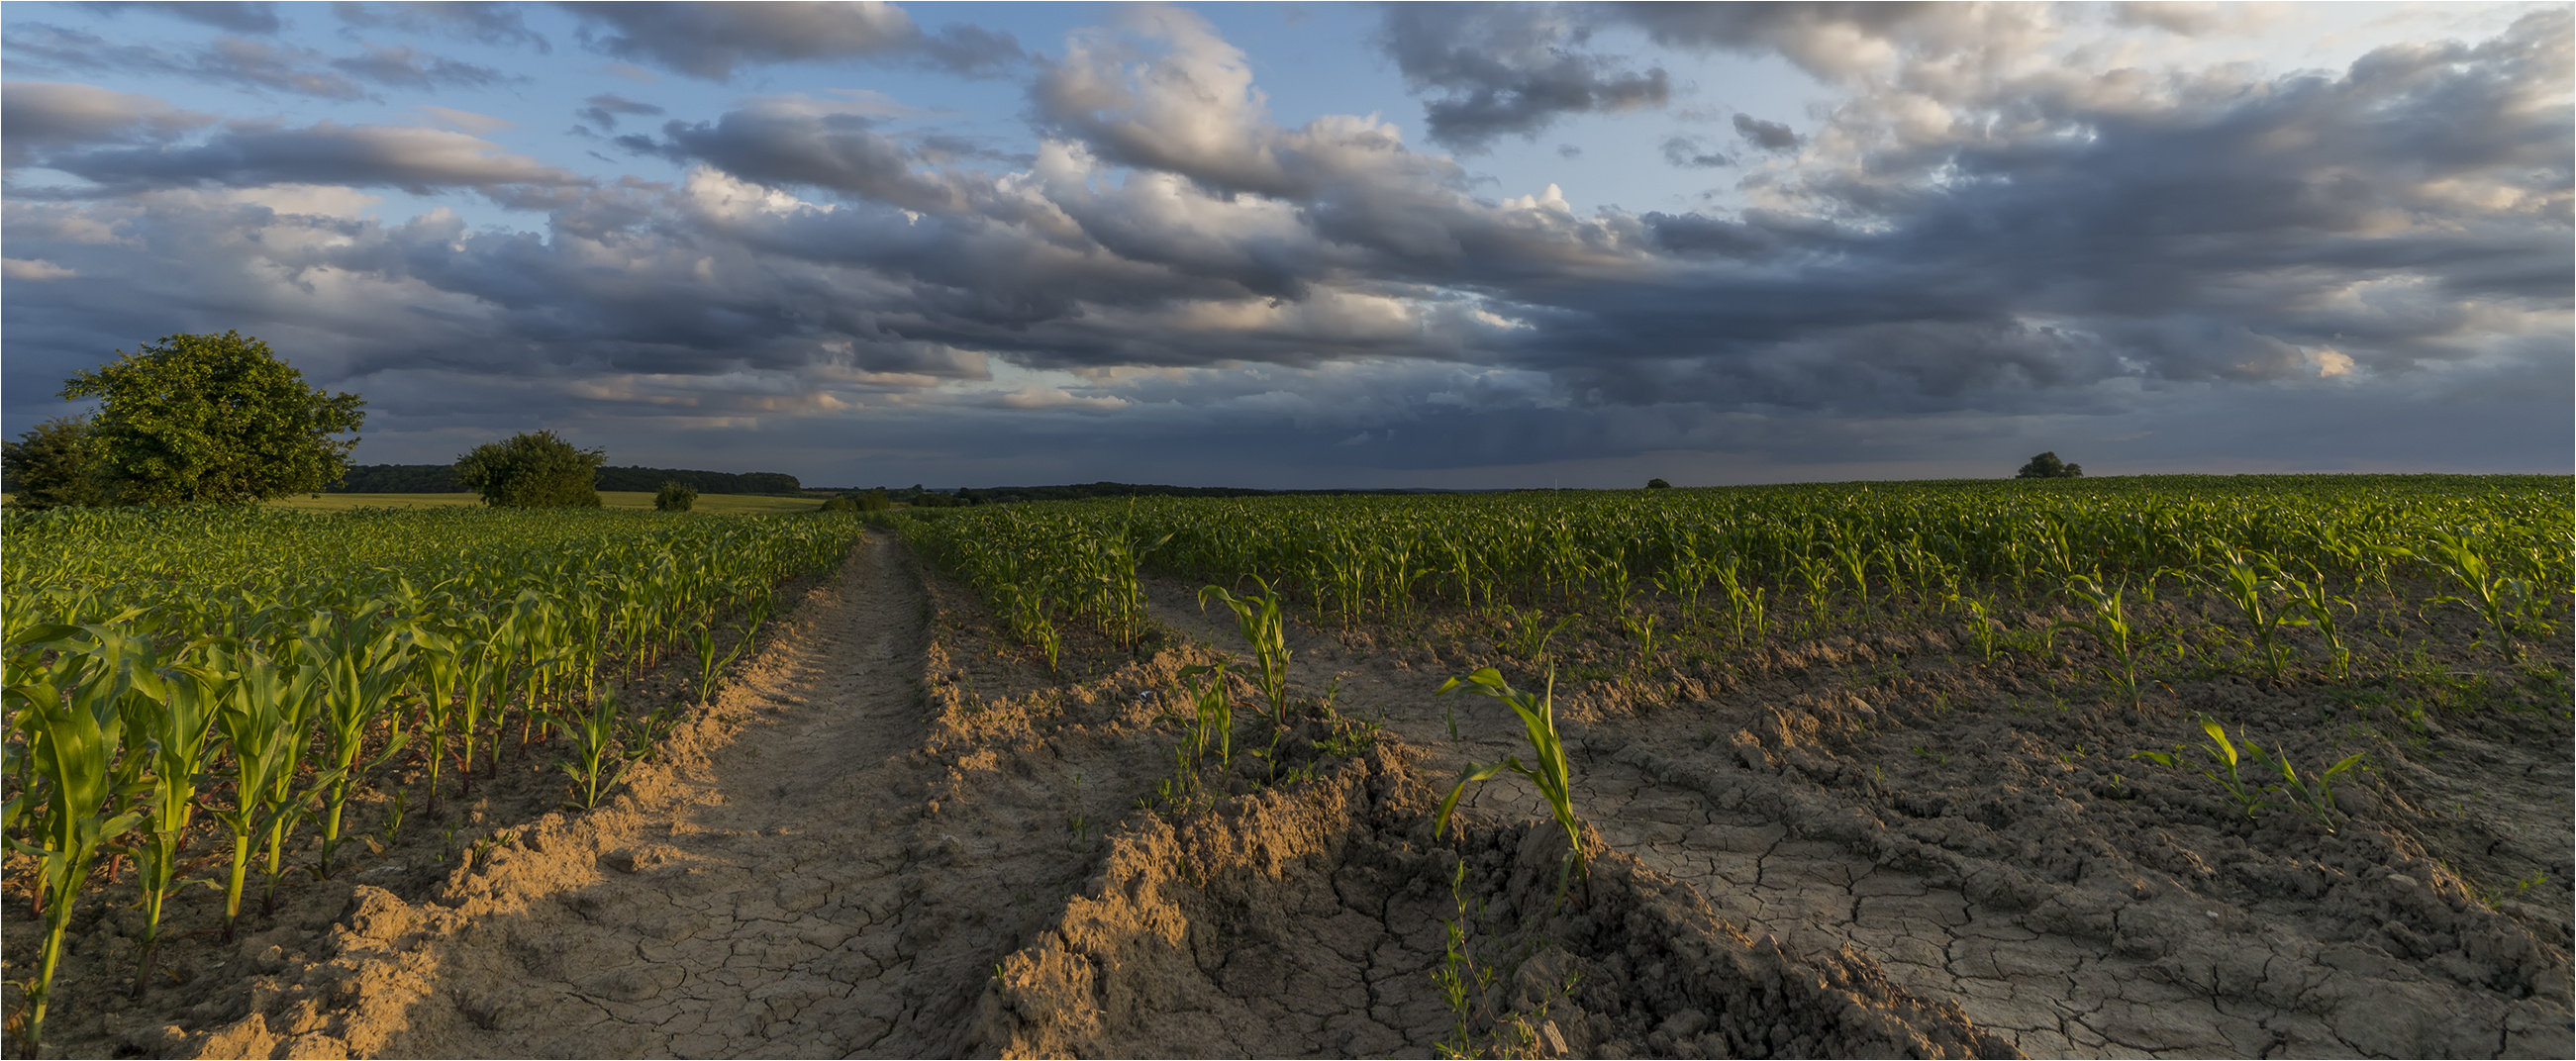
[(1313, 245)]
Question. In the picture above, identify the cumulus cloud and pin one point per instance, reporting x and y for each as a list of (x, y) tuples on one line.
[(1509, 69), (714, 40), (34, 270)]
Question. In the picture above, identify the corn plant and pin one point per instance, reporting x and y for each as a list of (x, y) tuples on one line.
[(2110, 626), (595, 732), (2312, 796), (1553, 778), (2319, 608), (67, 717), (1530, 633), (1267, 632), (2495, 595), (266, 723), (177, 722), (1215, 705), (2224, 766), (2250, 586), (362, 662)]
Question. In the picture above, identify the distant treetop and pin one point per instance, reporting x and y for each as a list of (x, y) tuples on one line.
[(2047, 466)]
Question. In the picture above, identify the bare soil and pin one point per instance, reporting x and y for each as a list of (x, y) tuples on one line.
[(897, 833)]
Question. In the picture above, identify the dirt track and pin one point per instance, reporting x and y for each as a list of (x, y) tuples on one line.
[(895, 836)]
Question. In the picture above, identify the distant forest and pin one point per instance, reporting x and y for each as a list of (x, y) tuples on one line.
[(441, 479), (1081, 491)]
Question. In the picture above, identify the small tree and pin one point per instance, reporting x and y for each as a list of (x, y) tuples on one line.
[(55, 465), (874, 500), (675, 496), (2047, 466), (214, 418), (1658, 484), (538, 470)]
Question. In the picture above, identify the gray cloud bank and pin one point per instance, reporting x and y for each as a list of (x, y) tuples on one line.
[(2163, 263)]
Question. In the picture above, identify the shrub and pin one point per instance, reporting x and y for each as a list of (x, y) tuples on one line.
[(840, 503), (1658, 484), (675, 496), (536, 470), (56, 464)]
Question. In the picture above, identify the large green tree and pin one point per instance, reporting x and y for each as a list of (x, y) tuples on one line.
[(214, 418), (532, 470), (56, 464)]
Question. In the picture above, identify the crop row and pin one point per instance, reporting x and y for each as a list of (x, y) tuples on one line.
[(2501, 542), (256, 667)]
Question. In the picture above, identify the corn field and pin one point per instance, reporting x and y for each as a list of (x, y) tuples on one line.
[(244, 673), (1747, 560)]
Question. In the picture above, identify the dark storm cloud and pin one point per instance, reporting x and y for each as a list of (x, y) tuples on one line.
[(714, 40), (1769, 136), (1508, 69), (236, 17)]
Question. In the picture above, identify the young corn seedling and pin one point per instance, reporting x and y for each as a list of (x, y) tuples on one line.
[(2496, 596), (2224, 767), (2249, 586), (2109, 624), (2312, 796), (1641, 629), (1215, 710), (1552, 777), (362, 663), (1528, 638), (1267, 631), (2319, 606)]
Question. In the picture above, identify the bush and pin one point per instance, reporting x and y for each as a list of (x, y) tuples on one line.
[(674, 497), (874, 500), (536, 470), (2047, 466), (214, 418), (840, 503), (56, 465), (1658, 484)]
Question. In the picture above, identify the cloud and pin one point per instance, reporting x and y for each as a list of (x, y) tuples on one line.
[(465, 121), (712, 41), (1769, 136), (253, 154), (406, 67), (483, 23), (231, 60), (2032, 253), (236, 17), (1508, 69), (1687, 152), (42, 116), (605, 108), (34, 270)]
